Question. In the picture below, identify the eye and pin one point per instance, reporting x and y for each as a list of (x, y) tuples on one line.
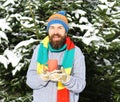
[(51, 27), (60, 27)]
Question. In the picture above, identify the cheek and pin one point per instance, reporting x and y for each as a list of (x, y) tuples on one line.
[(50, 32), (63, 34)]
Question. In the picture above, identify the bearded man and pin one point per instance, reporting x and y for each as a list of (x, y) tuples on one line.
[(57, 69)]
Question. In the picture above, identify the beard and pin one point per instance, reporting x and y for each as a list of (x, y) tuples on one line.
[(59, 43)]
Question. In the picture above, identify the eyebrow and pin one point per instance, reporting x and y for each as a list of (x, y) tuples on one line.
[(58, 26)]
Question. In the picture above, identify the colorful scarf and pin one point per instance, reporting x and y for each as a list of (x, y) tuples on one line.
[(62, 92)]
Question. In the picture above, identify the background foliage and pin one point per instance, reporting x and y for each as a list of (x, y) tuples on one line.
[(94, 27)]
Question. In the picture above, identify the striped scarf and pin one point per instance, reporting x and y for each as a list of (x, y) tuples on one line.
[(67, 62)]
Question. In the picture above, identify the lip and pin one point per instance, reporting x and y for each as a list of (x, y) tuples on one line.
[(56, 38)]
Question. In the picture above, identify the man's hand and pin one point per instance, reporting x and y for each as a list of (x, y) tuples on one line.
[(59, 75), (45, 74)]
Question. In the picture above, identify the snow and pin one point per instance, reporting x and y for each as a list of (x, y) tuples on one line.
[(98, 24), (17, 68), (3, 36), (4, 61), (107, 62), (83, 19), (103, 1), (102, 7), (116, 21), (24, 43), (82, 26), (14, 56), (4, 25), (27, 24), (78, 12), (9, 2), (116, 40), (11, 57), (17, 16), (26, 18), (88, 40), (109, 4), (25, 21), (78, 1)]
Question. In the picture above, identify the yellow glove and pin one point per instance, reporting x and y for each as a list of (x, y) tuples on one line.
[(59, 75)]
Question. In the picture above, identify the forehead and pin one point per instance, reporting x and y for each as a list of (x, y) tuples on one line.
[(56, 25)]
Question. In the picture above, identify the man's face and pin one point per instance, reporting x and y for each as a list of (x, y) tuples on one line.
[(57, 35)]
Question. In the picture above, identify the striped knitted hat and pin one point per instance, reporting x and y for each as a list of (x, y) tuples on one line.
[(58, 18)]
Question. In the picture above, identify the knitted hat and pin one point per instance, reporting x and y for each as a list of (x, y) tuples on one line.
[(58, 18)]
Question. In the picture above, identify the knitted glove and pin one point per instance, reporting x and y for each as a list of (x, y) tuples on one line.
[(59, 75), (45, 74)]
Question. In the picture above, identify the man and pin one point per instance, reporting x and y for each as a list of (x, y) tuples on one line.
[(66, 82)]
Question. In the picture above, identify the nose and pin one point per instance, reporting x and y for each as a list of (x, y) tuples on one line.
[(55, 31)]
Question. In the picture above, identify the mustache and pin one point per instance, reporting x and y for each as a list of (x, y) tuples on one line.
[(56, 35)]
